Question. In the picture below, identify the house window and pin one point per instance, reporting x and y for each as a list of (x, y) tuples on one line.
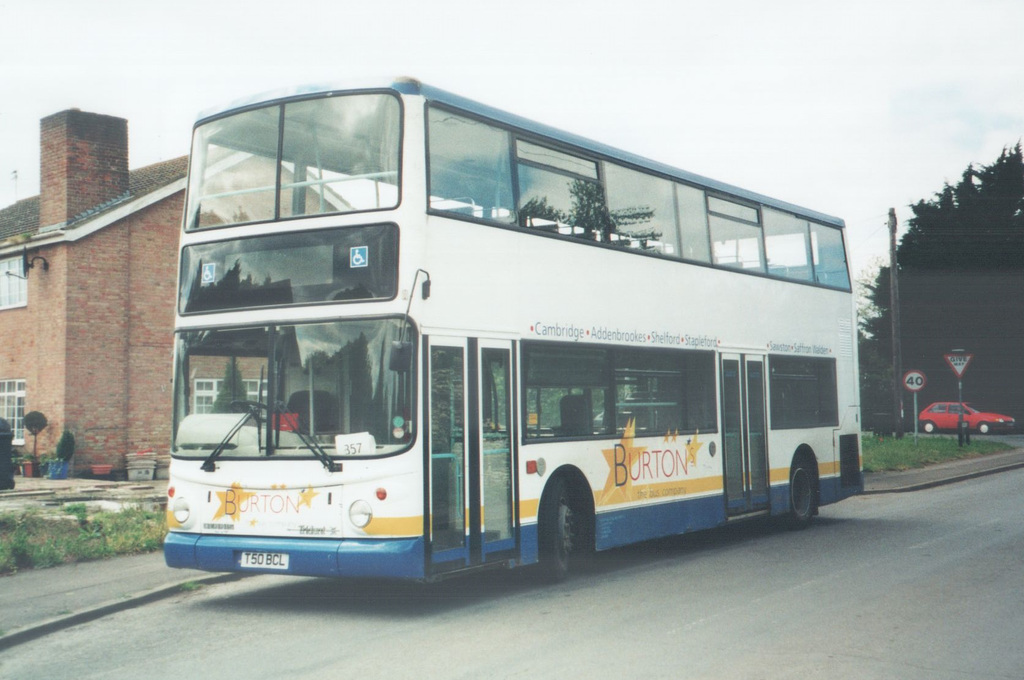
[(205, 393), (13, 285), (206, 390), (12, 407)]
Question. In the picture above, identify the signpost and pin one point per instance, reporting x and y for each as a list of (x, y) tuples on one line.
[(958, 360), (914, 381)]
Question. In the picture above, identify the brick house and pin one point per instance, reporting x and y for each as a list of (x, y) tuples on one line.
[(86, 330)]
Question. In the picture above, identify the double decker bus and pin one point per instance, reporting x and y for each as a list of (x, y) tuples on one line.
[(416, 335)]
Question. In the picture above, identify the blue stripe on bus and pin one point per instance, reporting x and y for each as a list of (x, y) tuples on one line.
[(395, 558), (621, 527), (629, 525), (832, 491)]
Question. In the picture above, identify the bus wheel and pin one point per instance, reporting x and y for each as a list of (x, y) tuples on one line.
[(559, 531), (802, 494)]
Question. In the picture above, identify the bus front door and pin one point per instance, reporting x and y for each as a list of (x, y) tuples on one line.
[(744, 433), (470, 465)]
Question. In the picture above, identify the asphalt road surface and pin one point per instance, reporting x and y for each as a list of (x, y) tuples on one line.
[(925, 584)]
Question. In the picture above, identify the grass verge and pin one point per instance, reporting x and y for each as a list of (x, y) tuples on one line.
[(903, 454), (35, 539)]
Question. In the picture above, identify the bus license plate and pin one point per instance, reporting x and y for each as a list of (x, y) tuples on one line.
[(264, 560)]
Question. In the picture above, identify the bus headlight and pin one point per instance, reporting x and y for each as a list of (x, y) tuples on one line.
[(360, 513), (181, 510)]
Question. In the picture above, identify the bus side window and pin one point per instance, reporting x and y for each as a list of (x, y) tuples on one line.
[(642, 208), (470, 170), (829, 257)]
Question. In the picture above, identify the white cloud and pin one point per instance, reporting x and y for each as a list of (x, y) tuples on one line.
[(847, 108)]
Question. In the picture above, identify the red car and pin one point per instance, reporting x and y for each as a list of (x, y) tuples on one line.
[(944, 415)]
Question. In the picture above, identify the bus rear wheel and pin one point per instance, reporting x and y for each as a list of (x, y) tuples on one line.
[(803, 494), (560, 535)]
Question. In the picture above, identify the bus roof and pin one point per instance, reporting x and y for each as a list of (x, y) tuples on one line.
[(411, 86)]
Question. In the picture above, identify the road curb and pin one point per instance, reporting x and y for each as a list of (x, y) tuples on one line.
[(58, 623), (930, 484)]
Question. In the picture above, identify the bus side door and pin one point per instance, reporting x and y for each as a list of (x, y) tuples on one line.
[(471, 452), (744, 433)]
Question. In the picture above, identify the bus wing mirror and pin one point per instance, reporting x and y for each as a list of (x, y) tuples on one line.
[(401, 356)]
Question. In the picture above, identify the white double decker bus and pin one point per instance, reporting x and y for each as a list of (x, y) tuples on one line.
[(416, 335)]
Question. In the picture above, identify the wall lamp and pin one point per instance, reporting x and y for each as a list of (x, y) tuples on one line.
[(30, 262)]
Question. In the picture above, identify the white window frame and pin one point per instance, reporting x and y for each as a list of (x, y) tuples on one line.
[(12, 407), (207, 395), (252, 392), (13, 284)]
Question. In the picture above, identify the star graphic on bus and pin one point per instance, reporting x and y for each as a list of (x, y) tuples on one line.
[(306, 498), (692, 447), (231, 500)]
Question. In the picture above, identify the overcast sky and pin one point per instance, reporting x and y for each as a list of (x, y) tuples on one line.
[(848, 108)]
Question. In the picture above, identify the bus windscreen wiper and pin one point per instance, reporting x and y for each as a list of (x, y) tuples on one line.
[(251, 410)]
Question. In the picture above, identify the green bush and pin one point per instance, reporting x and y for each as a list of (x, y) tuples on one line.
[(65, 446), (903, 454), (37, 539)]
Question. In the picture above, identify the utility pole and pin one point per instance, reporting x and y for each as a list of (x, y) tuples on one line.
[(894, 310)]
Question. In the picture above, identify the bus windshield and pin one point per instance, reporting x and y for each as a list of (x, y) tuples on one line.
[(333, 385), (313, 156)]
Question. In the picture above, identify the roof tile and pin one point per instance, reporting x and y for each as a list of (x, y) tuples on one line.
[(23, 217)]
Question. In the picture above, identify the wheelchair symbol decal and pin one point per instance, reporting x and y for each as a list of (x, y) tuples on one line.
[(209, 273), (359, 256)]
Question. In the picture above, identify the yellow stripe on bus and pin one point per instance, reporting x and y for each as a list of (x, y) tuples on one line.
[(395, 526), (528, 508), (781, 475)]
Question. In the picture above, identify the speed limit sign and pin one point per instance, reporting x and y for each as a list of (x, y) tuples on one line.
[(914, 381)]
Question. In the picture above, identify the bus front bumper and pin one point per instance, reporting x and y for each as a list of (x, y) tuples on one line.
[(346, 558)]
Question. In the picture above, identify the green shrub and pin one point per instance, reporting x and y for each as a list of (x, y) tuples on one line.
[(65, 446), (903, 454), (36, 539)]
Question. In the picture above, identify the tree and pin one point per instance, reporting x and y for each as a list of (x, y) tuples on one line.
[(232, 388), (589, 217), (961, 269), (874, 345), (976, 225)]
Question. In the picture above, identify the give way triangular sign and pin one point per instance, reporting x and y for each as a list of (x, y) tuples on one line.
[(958, 362)]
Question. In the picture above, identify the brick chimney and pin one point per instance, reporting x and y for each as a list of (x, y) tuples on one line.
[(84, 163)]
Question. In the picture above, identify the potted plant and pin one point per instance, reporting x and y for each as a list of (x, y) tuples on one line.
[(29, 465), (65, 450), (35, 422)]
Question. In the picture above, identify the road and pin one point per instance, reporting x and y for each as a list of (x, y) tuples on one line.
[(915, 585)]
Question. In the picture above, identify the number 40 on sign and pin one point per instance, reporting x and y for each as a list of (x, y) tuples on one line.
[(914, 381)]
